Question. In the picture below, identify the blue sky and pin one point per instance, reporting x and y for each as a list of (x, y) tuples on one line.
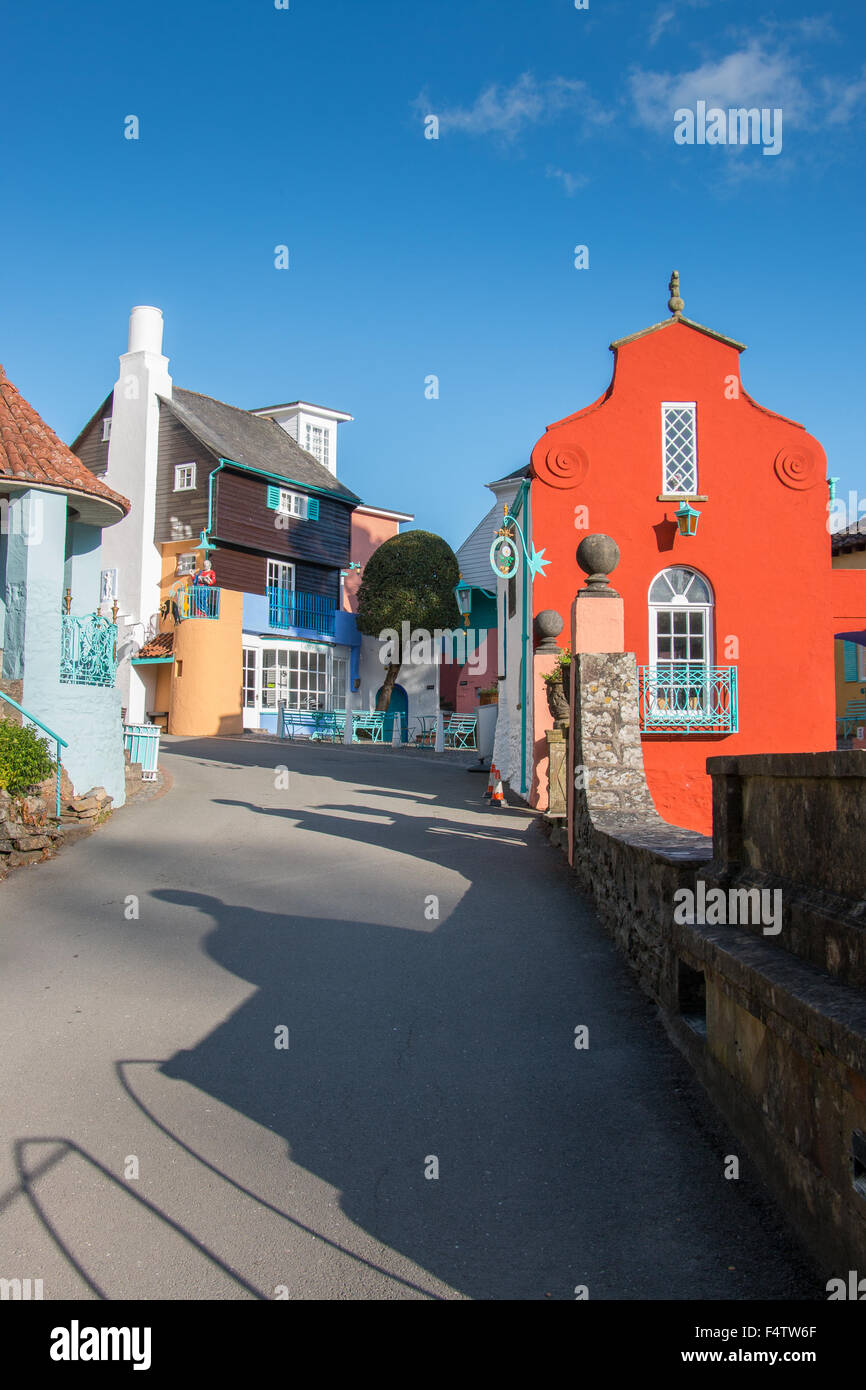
[(412, 257)]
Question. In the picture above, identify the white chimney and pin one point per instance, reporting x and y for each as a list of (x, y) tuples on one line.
[(129, 547), (145, 329)]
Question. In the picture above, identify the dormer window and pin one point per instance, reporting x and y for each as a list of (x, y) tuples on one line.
[(184, 477), (316, 443), (106, 428), (679, 449)]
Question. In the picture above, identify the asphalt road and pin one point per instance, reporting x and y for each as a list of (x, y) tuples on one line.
[(427, 961)]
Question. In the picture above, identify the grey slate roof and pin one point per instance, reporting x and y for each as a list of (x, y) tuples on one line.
[(473, 556), (522, 472), (252, 440)]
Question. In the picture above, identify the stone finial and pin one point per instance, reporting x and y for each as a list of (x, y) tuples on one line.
[(675, 304), (597, 555), (548, 625)]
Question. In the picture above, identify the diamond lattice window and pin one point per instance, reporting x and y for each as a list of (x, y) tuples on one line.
[(680, 450)]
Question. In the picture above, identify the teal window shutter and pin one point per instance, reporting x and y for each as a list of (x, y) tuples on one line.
[(312, 509), (274, 498), (850, 661)]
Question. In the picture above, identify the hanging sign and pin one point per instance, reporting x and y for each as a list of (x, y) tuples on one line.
[(505, 554)]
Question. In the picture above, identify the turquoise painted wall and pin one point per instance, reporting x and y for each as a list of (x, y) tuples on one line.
[(40, 565)]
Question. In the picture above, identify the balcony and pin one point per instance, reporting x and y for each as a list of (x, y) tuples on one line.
[(683, 699), (198, 601), (88, 650), (287, 608)]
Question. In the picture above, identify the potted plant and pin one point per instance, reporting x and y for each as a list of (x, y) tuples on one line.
[(489, 695), (558, 683)]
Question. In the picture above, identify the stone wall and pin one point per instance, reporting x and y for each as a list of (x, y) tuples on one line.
[(30, 830), (774, 1023)]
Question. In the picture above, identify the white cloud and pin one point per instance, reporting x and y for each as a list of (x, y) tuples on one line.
[(750, 76), (843, 98), (661, 20), (508, 111), (572, 183)]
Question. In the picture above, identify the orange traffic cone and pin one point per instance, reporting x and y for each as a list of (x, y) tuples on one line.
[(490, 782), (498, 798)]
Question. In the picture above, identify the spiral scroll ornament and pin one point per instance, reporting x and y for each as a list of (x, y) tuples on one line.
[(797, 468), (561, 468)]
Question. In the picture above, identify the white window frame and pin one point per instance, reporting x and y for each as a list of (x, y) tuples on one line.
[(667, 490), (338, 697), (680, 601), (106, 427), (302, 697), (187, 555), (180, 470), (293, 504), (251, 658), (280, 565), (325, 434)]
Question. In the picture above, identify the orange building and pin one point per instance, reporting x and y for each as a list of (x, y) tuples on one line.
[(719, 507)]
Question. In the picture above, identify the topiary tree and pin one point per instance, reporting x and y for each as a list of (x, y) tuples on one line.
[(24, 758), (409, 579)]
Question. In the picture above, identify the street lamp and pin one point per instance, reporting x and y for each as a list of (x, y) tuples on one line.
[(687, 518), (463, 595)]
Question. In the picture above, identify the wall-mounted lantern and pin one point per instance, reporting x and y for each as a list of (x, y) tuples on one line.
[(463, 595), (687, 518)]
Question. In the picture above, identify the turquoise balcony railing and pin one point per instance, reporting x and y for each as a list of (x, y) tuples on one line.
[(198, 601), (288, 608), (88, 650), (58, 744), (680, 698)]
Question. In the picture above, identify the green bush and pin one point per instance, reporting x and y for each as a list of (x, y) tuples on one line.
[(24, 757)]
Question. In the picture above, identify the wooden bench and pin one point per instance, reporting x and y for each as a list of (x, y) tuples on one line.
[(855, 714), (313, 723), (461, 731)]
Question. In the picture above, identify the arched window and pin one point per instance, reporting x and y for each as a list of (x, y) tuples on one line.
[(680, 612)]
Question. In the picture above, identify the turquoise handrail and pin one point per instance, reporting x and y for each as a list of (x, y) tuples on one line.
[(58, 741)]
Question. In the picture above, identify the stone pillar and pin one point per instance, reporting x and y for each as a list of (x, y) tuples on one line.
[(548, 625), (439, 745), (557, 751), (597, 625)]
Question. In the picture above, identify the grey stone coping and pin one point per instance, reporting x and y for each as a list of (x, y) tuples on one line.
[(671, 843), (851, 763), (832, 1013)]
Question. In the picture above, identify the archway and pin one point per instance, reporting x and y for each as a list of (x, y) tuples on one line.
[(399, 705)]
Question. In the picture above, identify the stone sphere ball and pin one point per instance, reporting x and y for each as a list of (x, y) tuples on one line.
[(598, 554)]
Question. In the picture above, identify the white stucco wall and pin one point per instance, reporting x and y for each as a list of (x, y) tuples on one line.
[(414, 680)]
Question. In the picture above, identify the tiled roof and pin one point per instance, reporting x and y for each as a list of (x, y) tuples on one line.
[(163, 645), (30, 452), (253, 440), (853, 537)]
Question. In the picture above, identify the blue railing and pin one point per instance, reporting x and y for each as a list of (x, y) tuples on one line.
[(58, 741), (198, 601), (683, 699), (288, 608), (88, 650)]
